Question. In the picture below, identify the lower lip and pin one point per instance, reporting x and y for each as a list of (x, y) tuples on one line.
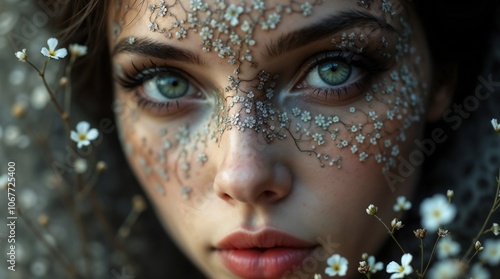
[(263, 264)]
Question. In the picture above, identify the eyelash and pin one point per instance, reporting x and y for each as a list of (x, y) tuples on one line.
[(136, 82), (369, 67), (366, 64)]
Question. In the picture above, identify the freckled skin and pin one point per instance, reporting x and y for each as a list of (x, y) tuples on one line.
[(311, 165)]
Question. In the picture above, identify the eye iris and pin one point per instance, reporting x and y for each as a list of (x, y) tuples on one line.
[(172, 86), (334, 73)]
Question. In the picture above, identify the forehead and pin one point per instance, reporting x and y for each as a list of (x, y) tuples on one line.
[(175, 19)]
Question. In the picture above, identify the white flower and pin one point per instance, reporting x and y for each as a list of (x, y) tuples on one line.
[(317, 276), (245, 26), (52, 52), (479, 272), (400, 270), (396, 224), (401, 204), (447, 248), (273, 20), (337, 266), (232, 14), (436, 211), (77, 50), (374, 266), (3, 181), (83, 135), (21, 55), (491, 252), (444, 270), (80, 166), (306, 8), (495, 124), (39, 97)]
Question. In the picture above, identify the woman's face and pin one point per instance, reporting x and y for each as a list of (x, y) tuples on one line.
[(261, 130)]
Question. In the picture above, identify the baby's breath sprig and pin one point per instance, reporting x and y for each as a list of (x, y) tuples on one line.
[(372, 210), (495, 206), (78, 138), (50, 53)]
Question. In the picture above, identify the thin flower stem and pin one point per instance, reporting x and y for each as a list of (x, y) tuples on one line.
[(390, 233), (430, 258), (34, 67), (124, 230), (68, 268), (421, 256), (64, 116), (494, 207), (475, 253), (67, 86)]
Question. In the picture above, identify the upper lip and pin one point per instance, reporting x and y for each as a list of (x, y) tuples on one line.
[(264, 239)]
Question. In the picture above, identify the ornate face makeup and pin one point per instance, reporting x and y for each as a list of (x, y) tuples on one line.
[(252, 117)]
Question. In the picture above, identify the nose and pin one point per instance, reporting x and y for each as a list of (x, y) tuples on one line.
[(250, 170)]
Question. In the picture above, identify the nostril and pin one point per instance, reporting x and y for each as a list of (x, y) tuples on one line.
[(268, 194)]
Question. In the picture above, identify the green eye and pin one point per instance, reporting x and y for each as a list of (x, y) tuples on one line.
[(334, 73), (168, 86)]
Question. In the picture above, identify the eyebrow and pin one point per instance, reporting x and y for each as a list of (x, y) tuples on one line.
[(285, 43), (325, 27), (150, 48)]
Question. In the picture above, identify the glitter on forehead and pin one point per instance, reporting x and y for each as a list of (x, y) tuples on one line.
[(225, 28)]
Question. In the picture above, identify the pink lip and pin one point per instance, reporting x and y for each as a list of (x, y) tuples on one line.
[(265, 254)]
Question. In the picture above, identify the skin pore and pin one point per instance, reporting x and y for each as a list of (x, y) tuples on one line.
[(283, 115)]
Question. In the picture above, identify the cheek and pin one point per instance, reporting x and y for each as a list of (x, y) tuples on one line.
[(166, 156)]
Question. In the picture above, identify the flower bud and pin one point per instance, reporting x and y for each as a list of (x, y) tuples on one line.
[(450, 194), (396, 224), (478, 246), (43, 220), (363, 267), (21, 55), (371, 210), (18, 109), (420, 233), (101, 166), (63, 81), (495, 229), (365, 256), (80, 166), (443, 233), (138, 203)]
